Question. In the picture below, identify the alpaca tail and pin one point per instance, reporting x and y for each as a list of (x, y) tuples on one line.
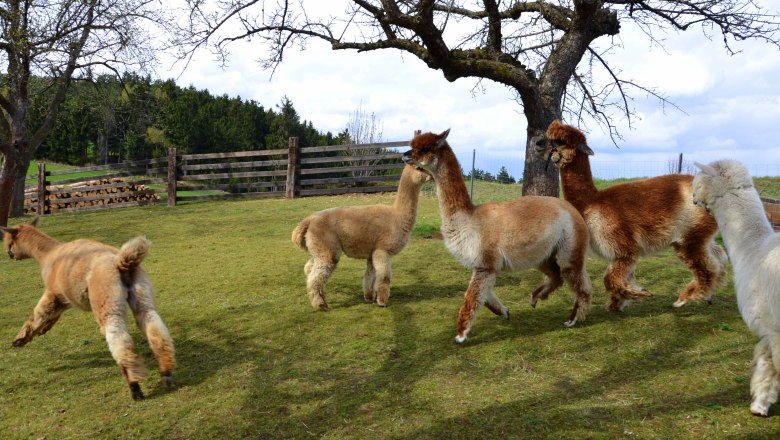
[(132, 253), (299, 234)]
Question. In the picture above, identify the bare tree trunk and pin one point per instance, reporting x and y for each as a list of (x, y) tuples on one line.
[(8, 175), (538, 178)]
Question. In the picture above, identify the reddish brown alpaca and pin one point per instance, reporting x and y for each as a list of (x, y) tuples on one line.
[(633, 219), (542, 232)]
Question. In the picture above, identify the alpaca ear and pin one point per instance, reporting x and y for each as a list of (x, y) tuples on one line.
[(34, 221), (442, 138), (706, 169), (10, 231), (582, 146)]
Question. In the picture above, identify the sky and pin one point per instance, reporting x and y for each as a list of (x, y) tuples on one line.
[(729, 104)]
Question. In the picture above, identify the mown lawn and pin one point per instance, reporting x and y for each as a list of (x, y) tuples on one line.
[(256, 361)]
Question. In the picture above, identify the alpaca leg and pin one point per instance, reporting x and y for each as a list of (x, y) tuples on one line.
[(308, 266), (44, 316), (369, 279), (152, 326), (494, 304), (315, 283), (383, 275), (616, 281), (114, 327), (764, 382), (552, 281), (482, 281), (579, 282), (706, 260)]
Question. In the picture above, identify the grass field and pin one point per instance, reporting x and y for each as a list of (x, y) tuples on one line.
[(256, 361)]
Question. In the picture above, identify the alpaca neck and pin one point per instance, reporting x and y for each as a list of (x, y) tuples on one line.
[(577, 182), (742, 222), (406, 200), (450, 186), (36, 243)]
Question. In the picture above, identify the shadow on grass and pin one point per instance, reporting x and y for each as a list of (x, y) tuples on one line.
[(334, 393)]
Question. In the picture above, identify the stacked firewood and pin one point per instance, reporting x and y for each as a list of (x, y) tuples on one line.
[(772, 208), (98, 192)]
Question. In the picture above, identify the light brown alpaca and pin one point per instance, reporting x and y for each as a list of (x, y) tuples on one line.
[(542, 232), (94, 276), (373, 232), (633, 219)]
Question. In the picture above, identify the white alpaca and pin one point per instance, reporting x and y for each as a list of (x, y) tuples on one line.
[(374, 233), (726, 190)]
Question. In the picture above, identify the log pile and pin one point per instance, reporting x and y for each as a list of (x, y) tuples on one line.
[(772, 208), (98, 192)]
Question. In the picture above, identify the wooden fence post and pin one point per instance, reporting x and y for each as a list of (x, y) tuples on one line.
[(172, 176), (42, 188), (292, 169)]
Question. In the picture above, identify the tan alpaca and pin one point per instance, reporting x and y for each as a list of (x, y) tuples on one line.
[(633, 219), (93, 276), (531, 232), (374, 232)]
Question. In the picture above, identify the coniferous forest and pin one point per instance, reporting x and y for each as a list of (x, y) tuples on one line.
[(111, 120)]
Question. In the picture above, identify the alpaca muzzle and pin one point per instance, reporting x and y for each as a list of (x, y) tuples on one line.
[(407, 158), (11, 254)]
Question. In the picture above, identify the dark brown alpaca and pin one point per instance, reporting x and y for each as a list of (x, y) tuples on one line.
[(633, 219)]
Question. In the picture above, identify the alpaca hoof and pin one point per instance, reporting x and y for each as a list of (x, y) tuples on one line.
[(570, 323), (18, 343), (167, 380), (135, 389), (460, 339), (506, 313), (533, 301), (709, 301), (324, 307), (381, 304), (758, 409)]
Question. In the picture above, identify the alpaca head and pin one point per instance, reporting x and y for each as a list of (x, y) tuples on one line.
[(717, 179), (562, 144), (416, 175), (12, 240), (425, 152)]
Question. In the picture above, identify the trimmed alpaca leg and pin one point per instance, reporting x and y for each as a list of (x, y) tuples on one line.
[(579, 282), (552, 281), (764, 382), (494, 304), (44, 316), (123, 350), (616, 282), (482, 281), (369, 279), (706, 261), (317, 279), (152, 326), (384, 274)]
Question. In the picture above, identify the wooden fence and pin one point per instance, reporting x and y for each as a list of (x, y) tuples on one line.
[(290, 172)]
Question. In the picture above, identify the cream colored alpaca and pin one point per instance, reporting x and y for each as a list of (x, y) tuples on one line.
[(373, 232), (726, 190), (94, 276), (542, 232)]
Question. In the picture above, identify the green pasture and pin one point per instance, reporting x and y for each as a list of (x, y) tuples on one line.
[(256, 361)]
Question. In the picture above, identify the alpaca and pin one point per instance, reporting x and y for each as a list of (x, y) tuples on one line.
[(726, 190), (542, 232), (373, 232), (634, 219), (94, 276)]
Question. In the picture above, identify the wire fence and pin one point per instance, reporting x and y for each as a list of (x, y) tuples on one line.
[(602, 168)]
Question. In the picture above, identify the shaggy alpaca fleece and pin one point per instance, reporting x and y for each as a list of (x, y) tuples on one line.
[(725, 189), (531, 232), (633, 219), (374, 233), (93, 276)]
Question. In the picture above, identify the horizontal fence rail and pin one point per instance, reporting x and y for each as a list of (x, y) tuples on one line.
[(290, 172)]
